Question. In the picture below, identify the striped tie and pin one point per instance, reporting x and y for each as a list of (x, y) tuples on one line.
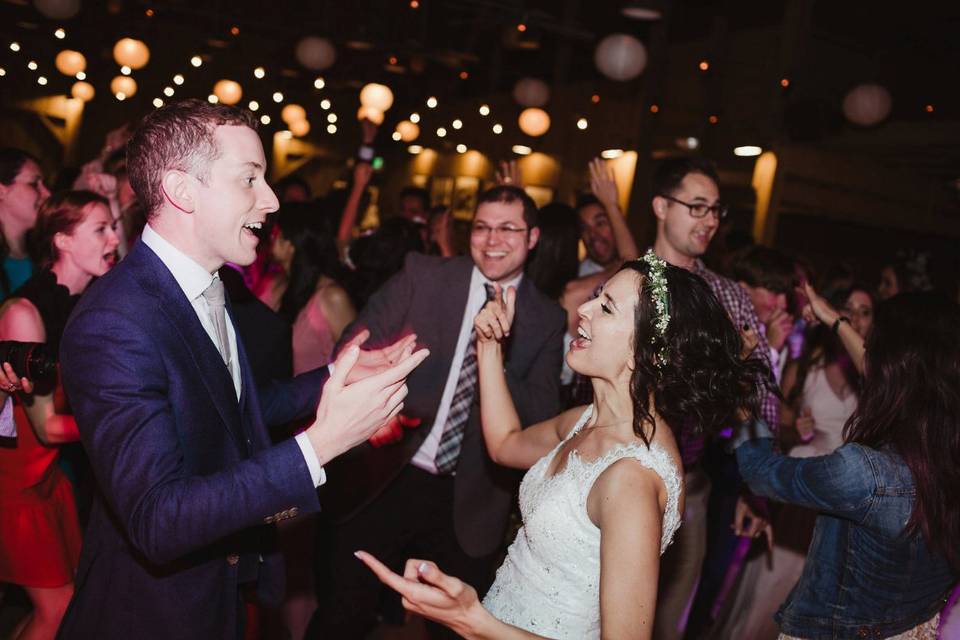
[(449, 450)]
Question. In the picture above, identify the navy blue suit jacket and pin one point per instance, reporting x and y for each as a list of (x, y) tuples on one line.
[(189, 485)]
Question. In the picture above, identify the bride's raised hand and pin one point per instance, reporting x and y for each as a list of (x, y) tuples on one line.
[(429, 592), (495, 319)]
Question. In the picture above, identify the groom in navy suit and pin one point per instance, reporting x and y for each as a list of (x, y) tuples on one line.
[(168, 411)]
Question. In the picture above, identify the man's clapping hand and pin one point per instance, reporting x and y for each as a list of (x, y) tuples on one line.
[(354, 405)]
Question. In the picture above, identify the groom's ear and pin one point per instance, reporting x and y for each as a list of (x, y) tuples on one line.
[(179, 190)]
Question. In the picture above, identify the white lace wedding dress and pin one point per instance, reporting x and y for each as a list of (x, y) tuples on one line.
[(549, 583)]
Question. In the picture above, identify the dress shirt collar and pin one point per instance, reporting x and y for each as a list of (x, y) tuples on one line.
[(191, 277), (478, 279)]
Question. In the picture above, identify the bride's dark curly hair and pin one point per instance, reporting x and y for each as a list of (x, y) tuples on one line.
[(704, 386)]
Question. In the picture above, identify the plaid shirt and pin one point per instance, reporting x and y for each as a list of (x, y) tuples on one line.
[(737, 303)]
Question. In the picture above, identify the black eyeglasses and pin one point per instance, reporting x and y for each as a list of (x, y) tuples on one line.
[(699, 209)]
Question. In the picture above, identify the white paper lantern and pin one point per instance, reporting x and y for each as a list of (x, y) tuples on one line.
[(376, 96), (408, 131), (228, 91), (125, 85), (83, 91), (620, 57), (299, 128), (315, 53), (530, 92), (70, 63), (867, 105), (534, 122), (58, 9), (293, 113), (131, 53), (369, 113)]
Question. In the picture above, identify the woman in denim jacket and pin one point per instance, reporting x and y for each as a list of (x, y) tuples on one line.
[(886, 548)]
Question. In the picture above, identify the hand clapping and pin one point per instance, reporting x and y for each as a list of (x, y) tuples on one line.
[(493, 322)]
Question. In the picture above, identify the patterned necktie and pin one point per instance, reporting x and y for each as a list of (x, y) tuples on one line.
[(449, 449), (216, 301)]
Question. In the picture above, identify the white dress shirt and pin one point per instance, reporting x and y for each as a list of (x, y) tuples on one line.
[(194, 280), (8, 426), (426, 454)]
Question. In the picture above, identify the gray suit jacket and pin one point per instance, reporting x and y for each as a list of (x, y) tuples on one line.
[(428, 297)]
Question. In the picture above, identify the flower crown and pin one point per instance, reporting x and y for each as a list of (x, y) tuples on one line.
[(660, 295)]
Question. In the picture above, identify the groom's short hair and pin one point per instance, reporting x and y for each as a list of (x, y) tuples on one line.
[(179, 136)]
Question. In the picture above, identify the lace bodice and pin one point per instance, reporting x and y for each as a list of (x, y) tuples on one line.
[(549, 583)]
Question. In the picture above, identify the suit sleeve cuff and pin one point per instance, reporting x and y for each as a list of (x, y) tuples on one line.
[(317, 475)]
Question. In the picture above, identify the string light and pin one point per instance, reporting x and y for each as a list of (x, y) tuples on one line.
[(457, 124), (414, 4), (522, 150), (784, 82), (196, 61), (484, 110), (704, 65), (747, 151), (432, 102), (929, 108), (254, 105), (125, 70), (414, 117), (178, 79), (713, 119), (461, 148), (60, 34), (324, 104), (331, 118), (168, 91), (212, 99), (414, 149), (120, 95), (582, 124), (42, 80), (81, 75), (3, 72), (14, 46), (521, 27), (498, 128), (259, 72), (32, 65), (396, 136), (264, 119), (277, 97), (595, 98), (331, 128), (654, 108), (234, 30), (319, 83), (149, 13), (464, 75), (157, 102), (610, 154), (441, 132)]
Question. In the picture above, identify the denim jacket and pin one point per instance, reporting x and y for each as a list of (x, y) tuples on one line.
[(863, 577)]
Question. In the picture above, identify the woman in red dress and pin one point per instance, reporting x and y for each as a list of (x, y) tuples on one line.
[(39, 531)]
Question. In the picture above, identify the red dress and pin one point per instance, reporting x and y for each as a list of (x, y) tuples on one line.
[(39, 529)]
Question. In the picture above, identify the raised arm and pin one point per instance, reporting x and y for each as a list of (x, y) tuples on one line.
[(819, 310), (508, 443), (604, 187)]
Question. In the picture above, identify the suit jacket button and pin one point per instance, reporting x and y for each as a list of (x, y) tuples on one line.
[(233, 559)]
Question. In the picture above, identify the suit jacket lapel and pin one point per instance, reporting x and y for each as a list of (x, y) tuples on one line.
[(154, 276), (452, 304)]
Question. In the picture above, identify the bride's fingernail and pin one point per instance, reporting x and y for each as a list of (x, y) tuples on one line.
[(422, 568)]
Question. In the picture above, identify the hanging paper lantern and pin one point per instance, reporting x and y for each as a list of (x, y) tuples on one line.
[(315, 53), (534, 122), (620, 57), (376, 96), (530, 92), (293, 113), (83, 91), (228, 91), (408, 131), (70, 63), (369, 113), (131, 53), (299, 128), (867, 105), (58, 9), (125, 85)]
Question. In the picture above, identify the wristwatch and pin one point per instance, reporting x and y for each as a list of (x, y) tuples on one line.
[(836, 325)]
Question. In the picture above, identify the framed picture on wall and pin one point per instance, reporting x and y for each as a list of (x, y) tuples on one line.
[(441, 191), (465, 197), (540, 195)]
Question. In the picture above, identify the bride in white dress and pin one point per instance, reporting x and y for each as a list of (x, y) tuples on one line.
[(603, 495)]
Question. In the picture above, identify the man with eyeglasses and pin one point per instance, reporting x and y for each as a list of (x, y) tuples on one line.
[(687, 206), (426, 493)]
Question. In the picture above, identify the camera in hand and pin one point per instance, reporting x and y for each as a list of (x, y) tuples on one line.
[(31, 360)]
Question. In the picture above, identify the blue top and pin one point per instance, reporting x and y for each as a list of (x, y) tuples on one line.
[(18, 271), (863, 577)]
